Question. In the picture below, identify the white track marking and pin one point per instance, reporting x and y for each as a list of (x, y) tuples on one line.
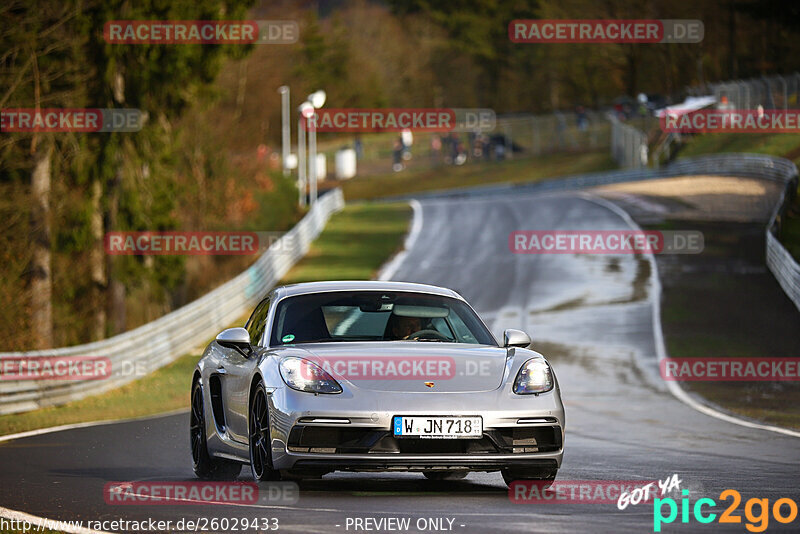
[(40, 431), (64, 526), (40, 523)]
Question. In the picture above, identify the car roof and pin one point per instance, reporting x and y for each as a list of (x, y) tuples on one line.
[(361, 285)]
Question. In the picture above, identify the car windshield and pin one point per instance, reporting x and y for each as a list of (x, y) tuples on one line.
[(376, 316)]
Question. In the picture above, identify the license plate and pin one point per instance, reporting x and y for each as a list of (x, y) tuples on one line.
[(438, 427)]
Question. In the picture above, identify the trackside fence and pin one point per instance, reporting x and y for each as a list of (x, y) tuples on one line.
[(155, 344), (628, 145), (769, 92)]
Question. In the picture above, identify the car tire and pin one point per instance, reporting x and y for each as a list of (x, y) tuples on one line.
[(445, 475), (204, 465), (259, 438), (545, 476)]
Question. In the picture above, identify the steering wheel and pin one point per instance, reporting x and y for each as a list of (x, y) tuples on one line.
[(428, 333)]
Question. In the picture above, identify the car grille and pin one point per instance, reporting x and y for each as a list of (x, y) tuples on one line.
[(343, 440)]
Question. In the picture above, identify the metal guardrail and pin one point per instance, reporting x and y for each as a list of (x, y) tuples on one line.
[(779, 261), (155, 344), (785, 269)]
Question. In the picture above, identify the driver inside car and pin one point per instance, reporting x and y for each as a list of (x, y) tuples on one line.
[(403, 327)]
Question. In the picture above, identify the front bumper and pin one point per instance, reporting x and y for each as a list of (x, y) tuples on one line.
[(337, 433), (328, 464)]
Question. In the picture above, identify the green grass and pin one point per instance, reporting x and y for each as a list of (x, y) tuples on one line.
[(529, 169), (773, 144), (711, 307), (706, 313), (354, 244)]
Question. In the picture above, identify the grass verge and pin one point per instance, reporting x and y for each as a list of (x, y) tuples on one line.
[(773, 144), (354, 244), (518, 170), (724, 303)]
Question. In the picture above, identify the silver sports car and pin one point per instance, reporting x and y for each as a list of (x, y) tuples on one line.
[(373, 376)]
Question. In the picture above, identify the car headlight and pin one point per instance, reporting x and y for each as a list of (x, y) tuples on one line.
[(305, 375), (534, 376)]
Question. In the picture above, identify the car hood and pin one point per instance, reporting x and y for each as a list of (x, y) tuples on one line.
[(410, 366)]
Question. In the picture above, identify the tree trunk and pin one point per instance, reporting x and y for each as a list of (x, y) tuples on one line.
[(97, 264), (116, 289), (41, 281), (631, 82), (241, 92), (117, 316), (733, 67)]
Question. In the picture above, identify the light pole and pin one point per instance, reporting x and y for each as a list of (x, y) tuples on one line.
[(286, 128), (304, 110), (317, 100)]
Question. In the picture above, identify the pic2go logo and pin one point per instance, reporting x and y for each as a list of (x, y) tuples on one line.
[(758, 522)]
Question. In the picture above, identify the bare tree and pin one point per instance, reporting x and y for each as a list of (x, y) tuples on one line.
[(41, 282)]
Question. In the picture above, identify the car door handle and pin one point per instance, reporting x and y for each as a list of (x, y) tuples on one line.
[(221, 371)]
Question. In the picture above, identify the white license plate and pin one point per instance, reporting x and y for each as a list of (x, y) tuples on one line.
[(437, 427)]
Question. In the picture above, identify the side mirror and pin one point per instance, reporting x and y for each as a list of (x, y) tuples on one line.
[(235, 338), (516, 338)]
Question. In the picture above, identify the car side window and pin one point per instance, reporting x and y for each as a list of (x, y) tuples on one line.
[(257, 322)]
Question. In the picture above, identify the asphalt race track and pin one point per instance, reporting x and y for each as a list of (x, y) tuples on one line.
[(592, 315)]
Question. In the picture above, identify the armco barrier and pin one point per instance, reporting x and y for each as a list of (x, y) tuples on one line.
[(785, 269), (779, 261), (159, 342)]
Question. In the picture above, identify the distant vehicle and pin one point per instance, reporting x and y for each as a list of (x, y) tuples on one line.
[(373, 376)]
